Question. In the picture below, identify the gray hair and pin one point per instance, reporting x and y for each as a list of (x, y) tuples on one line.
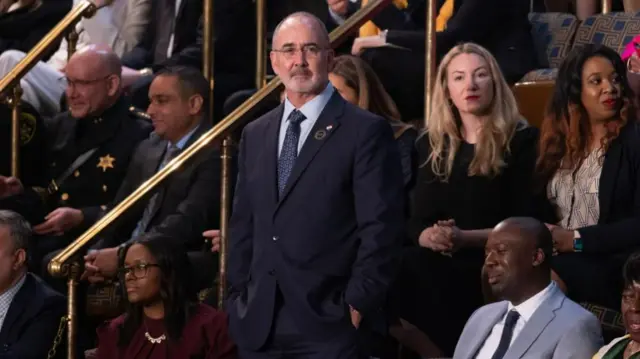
[(19, 228), (324, 34)]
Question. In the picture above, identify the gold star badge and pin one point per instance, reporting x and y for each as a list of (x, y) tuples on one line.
[(106, 162)]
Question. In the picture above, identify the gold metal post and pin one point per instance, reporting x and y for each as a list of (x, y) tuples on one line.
[(72, 42), (606, 6), (59, 266), (225, 212), (15, 131), (261, 41), (74, 272), (83, 8), (430, 58), (208, 52)]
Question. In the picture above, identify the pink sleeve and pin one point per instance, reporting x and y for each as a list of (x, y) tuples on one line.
[(630, 49)]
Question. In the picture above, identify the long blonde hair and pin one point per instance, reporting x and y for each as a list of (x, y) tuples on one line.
[(443, 124)]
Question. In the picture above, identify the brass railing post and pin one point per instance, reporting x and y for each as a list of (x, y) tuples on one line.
[(74, 272), (261, 42), (606, 6), (208, 52), (72, 42), (225, 211), (430, 58), (15, 130)]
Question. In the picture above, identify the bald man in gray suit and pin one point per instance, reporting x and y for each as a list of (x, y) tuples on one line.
[(535, 319)]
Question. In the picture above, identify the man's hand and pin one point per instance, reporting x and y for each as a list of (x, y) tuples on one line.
[(60, 221), (10, 186), (368, 42), (339, 7), (214, 236), (101, 264), (356, 317)]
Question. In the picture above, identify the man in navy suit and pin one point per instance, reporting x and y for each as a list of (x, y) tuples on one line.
[(30, 311), (318, 212)]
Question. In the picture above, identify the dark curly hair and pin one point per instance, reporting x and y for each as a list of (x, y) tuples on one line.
[(176, 289), (566, 128)]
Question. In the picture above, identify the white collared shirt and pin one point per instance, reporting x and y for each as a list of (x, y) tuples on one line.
[(311, 111), (526, 310), (7, 297)]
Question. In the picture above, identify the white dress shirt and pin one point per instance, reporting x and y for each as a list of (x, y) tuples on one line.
[(311, 111), (526, 310)]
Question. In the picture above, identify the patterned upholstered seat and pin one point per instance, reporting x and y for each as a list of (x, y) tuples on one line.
[(610, 319), (556, 34), (614, 30), (553, 35)]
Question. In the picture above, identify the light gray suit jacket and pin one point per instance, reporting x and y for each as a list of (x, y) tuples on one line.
[(558, 329)]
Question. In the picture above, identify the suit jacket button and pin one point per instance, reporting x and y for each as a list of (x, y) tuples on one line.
[(272, 272), (275, 238)]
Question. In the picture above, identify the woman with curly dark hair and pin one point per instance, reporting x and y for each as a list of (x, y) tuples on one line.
[(589, 161), (163, 319)]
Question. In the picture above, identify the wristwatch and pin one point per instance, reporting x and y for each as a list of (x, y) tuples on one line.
[(577, 242)]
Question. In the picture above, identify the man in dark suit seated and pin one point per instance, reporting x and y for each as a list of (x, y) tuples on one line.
[(318, 212), (30, 311), (234, 48), (87, 156), (186, 203), (501, 26)]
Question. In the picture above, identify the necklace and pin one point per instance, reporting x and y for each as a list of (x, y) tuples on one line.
[(153, 340)]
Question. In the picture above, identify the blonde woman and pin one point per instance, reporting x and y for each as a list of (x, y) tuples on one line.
[(477, 158)]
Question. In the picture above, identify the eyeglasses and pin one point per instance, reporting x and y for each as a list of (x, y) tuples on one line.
[(73, 83), (310, 51), (137, 271)]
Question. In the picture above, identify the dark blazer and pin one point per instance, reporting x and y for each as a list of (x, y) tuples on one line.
[(188, 203), (185, 33), (330, 241), (32, 322), (115, 133), (619, 197)]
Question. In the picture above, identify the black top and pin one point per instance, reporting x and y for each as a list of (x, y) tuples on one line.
[(475, 202)]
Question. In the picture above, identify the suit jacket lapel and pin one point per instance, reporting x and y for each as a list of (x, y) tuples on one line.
[(326, 125), (484, 329), (609, 178), (272, 134), (538, 322), (18, 308)]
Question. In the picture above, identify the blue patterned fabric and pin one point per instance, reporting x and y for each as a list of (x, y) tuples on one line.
[(553, 35), (540, 75), (289, 149), (614, 30)]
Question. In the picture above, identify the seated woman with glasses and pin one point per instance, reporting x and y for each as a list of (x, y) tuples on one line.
[(163, 319)]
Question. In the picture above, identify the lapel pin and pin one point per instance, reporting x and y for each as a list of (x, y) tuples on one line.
[(329, 128), (320, 134)]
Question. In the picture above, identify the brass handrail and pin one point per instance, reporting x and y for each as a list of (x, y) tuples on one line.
[(58, 265), (430, 57), (606, 6), (84, 8)]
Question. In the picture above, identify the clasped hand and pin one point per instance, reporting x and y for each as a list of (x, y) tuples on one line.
[(10, 186), (443, 237)]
